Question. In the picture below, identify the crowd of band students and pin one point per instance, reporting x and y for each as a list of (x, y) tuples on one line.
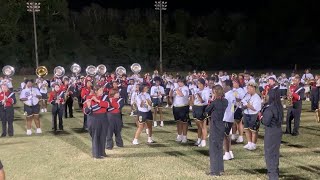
[(226, 105)]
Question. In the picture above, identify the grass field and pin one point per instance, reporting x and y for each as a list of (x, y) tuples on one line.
[(67, 155)]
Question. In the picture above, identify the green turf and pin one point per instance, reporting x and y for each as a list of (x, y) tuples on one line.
[(68, 155)]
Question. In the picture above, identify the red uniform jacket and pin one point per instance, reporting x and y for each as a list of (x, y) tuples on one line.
[(96, 108), (85, 92), (11, 98), (115, 105), (53, 96)]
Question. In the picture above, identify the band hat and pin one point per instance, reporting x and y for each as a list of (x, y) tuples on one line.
[(252, 84), (202, 81)]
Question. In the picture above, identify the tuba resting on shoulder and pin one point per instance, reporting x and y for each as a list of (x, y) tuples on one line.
[(75, 69), (41, 71), (59, 71), (121, 71), (135, 68), (91, 70), (8, 70), (101, 69)]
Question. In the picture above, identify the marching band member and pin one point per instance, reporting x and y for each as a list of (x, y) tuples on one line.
[(79, 86), (283, 81), (272, 116), (56, 99), (157, 92), (228, 119), (115, 122), (23, 85), (68, 90), (216, 110), (130, 90), (239, 94), (296, 94), (95, 107), (144, 114), (7, 99), (124, 86), (180, 109), (252, 106), (314, 93), (85, 91), (30, 97), (305, 78), (200, 98), (43, 88), (134, 104), (169, 85)]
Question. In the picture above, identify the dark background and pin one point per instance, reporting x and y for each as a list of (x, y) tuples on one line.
[(209, 35)]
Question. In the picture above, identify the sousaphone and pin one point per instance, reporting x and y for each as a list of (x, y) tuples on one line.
[(8, 70), (121, 71), (91, 70), (136, 68), (59, 71), (41, 71)]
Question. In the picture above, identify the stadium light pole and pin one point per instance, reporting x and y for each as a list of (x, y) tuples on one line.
[(34, 7), (160, 6)]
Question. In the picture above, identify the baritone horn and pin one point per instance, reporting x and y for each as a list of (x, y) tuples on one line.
[(59, 71), (136, 68), (91, 70), (8, 70), (121, 71), (101, 69), (75, 69), (41, 71)]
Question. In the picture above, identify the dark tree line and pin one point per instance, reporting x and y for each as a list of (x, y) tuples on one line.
[(278, 35)]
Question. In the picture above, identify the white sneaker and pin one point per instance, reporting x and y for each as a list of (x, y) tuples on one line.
[(227, 156), (155, 124), (161, 124), (38, 131), (131, 114), (179, 138), (247, 146), (25, 113), (190, 108), (167, 106), (202, 144), (147, 131), (284, 106), (233, 137), (171, 106), (240, 139), (45, 110), (42, 110), (307, 99), (231, 154), (184, 139), (29, 132), (197, 142), (150, 140), (252, 147), (135, 142)]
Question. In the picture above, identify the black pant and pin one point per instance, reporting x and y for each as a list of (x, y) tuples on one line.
[(57, 110), (98, 124), (115, 125), (69, 105), (216, 147), (314, 98), (272, 141), (293, 113), (7, 115)]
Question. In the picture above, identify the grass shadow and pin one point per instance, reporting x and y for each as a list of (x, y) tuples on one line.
[(79, 130)]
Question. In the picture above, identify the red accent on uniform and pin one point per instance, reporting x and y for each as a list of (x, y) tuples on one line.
[(103, 104), (53, 95), (9, 101), (115, 105)]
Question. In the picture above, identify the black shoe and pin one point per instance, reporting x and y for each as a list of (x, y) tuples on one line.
[(286, 132), (61, 129), (66, 117), (212, 174), (3, 135), (71, 116), (109, 148), (104, 155), (295, 134), (120, 146)]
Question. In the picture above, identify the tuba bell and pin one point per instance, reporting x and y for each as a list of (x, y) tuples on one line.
[(91, 70), (135, 68), (8, 70), (59, 71), (121, 71), (101, 69), (75, 69), (41, 71)]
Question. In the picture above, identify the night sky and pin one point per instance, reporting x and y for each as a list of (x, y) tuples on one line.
[(193, 6)]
